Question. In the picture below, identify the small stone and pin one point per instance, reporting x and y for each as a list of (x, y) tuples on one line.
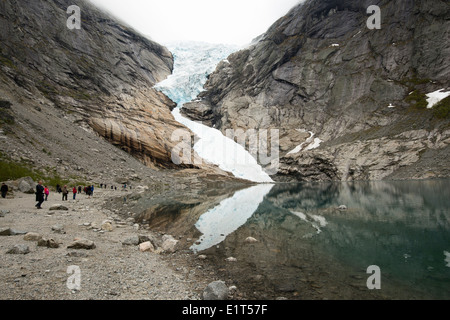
[(146, 247), (58, 229), (250, 240), (232, 289), (231, 259), (342, 207), (107, 226), (202, 257)]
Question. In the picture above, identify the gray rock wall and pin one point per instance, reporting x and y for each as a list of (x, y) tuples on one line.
[(320, 69)]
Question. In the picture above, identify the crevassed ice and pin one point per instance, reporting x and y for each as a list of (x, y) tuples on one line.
[(193, 63)]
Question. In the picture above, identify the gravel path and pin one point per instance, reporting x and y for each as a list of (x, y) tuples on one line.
[(108, 272)]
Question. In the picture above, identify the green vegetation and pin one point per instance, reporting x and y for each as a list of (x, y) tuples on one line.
[(417, 99), (442, 109), (5, 115), (7, 62), (13, 170)]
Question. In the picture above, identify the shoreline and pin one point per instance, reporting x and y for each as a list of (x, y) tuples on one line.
[(110, 271)]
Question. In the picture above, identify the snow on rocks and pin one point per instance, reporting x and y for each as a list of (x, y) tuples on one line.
[(310, 144), (436, 96)]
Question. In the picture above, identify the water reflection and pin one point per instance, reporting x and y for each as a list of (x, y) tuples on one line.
[(222, 220), (309, 248)]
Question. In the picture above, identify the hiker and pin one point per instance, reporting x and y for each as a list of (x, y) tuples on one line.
[(4, 190), (58, 188), (74, 191), (39, 195), (46, 192), (65, 192), (79, 189), (88, 191)]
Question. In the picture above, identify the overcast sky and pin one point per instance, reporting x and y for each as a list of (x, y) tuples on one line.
[(214, 21)]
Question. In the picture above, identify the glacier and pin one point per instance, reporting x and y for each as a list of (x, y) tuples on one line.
[(194, 61)]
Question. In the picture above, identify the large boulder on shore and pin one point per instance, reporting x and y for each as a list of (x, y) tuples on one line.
[(27, 185), (216, 290)]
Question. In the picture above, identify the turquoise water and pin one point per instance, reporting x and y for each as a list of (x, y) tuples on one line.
[(307, 248), (402, 227)]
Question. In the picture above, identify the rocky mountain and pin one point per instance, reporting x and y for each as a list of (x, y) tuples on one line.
[(67, 94), (350, 101), (101, 75)]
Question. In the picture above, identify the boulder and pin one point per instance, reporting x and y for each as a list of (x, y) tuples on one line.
[(10, 232), (5, 231), (82, 244), (32, 236), (58, 207), (146, 247), (169, 244), (216, 290), (132, 241), (49, 243), (19, 249), (27, 185)]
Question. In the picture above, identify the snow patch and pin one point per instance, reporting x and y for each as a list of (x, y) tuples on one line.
[(436, 96), (310, 143)]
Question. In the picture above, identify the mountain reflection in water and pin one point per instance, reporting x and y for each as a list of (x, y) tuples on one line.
[(308, 248)]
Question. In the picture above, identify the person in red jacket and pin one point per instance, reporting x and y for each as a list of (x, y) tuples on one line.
[(74, 190), (46, 192)]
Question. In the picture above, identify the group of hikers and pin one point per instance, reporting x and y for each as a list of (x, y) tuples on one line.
[(42, 191)]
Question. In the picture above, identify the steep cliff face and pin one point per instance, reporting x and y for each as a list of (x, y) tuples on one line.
[(99, 77), (350, 102)]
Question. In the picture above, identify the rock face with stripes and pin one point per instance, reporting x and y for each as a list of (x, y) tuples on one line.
[(100, 76)]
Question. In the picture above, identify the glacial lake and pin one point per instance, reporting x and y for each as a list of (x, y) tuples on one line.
[(307, 248)]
